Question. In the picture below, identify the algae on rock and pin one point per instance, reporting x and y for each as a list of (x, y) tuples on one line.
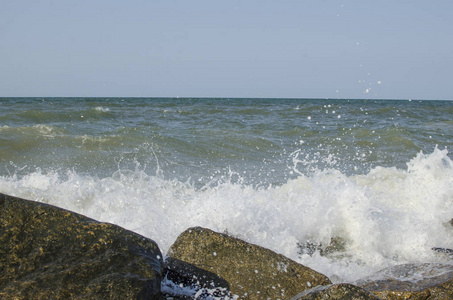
[(49, 252), (336, 291), (252, 272), (412, 281)]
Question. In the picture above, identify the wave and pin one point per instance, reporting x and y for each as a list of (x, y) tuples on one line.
[(58, 113), (51, 137), (101, 109), (45, 131), (386, 217)]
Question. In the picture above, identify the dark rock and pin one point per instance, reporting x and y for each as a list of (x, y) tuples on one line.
[(185, 281), (252, 272), (48, 252), (445, 251), (335, 291), (336, 245), (412, 281)]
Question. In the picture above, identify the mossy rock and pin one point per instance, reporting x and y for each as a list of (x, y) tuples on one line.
[(252, 272), (48, 252), (412, 281), (334, 292)]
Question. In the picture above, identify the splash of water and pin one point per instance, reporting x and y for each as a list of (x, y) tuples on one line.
[(352, 225)]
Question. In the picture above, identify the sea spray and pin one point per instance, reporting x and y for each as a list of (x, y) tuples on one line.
[(385, 217), (346, 196)]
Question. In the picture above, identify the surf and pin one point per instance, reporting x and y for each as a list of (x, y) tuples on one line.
[(352, 225)]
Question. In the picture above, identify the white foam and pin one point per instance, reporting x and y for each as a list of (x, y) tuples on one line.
[(43, 130), (387, 217), (102, 109)]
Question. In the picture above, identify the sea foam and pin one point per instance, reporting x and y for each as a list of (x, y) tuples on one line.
[(385, 217)]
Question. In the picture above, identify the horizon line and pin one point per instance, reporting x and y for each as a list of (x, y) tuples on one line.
[(244, 98)]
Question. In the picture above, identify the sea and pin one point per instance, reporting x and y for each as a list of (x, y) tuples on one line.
[(347, 187)]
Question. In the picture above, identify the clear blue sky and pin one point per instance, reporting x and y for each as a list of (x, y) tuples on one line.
[(237, 48)]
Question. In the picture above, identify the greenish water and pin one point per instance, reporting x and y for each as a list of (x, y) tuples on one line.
[(261, 139), (276, 172)]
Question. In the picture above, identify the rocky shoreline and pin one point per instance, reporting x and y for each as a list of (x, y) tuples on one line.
[(52, 253)]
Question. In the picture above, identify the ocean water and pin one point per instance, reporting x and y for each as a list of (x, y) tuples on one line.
[(346, 187)]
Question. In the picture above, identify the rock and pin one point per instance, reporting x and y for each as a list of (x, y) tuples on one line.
[(48, 252), (412, 281), (335, 291), (251, 271), (446, 251), (185, 281), (336, 245)]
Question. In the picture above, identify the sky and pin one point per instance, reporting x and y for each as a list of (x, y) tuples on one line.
[(388, 49)]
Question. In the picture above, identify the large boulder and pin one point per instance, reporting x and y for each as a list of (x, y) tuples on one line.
[(335, 291), (48, 252), (252, 272), (412, 281)]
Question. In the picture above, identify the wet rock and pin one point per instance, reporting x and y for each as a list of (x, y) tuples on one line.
[(185, 281), (335, 291), (336, 245), (252, 272), (47, 253), (412, 281), (444, 251)]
